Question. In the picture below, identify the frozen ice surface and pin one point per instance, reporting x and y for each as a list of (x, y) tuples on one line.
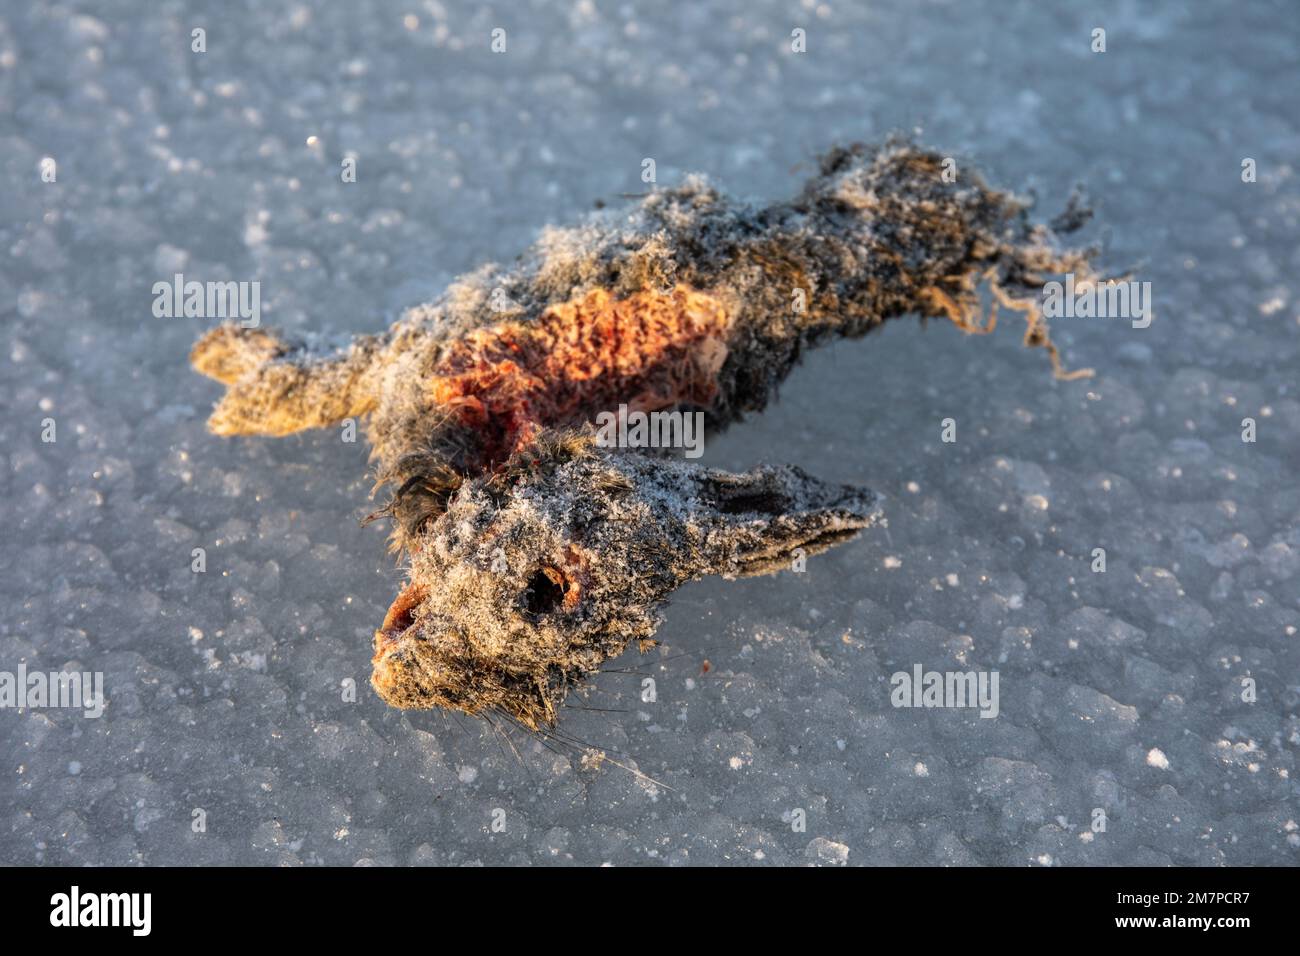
[(1120, 692)]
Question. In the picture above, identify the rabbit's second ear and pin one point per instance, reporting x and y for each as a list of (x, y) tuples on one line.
[(763, 518)]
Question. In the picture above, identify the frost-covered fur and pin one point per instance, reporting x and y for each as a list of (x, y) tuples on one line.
[(543, 576), (534, 555)]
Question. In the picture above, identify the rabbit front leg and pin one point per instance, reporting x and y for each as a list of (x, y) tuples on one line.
[(277, 386)]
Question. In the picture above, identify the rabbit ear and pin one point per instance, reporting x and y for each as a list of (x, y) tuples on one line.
[(277, 387), (760, 517)]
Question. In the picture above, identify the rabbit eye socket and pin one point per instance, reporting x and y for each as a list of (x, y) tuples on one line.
[(545, 592)]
